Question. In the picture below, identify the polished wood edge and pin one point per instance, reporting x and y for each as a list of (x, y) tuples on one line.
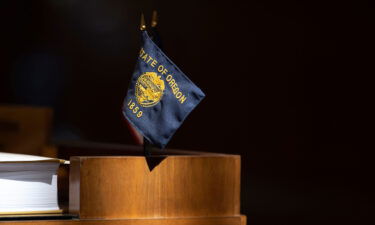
[(74, 186), (128, 148), (157, 156), (243, 220), (219, 220)]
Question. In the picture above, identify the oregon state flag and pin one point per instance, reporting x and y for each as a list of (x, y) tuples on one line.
[(160, 95)]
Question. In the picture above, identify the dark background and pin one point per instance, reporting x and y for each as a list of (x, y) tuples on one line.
[(284, 80)]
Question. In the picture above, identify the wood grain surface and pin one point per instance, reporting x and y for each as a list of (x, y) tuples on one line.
[(180, 186)]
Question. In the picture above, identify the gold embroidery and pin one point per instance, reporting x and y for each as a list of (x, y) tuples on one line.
[(149, 89)]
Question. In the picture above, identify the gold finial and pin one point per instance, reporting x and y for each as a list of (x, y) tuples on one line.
[(143, 23), (154, 20)]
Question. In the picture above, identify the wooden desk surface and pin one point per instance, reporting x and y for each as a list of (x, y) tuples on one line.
[(235, 220)]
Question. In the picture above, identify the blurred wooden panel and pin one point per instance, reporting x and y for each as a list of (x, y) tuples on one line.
[(24, 129), (180, 186), (234, 220)]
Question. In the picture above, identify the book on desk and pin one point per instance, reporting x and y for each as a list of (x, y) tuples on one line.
[(28, 184)]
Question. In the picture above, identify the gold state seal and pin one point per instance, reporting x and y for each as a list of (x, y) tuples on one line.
[(149, 89)]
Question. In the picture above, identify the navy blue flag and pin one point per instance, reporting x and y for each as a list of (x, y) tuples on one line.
[(160, 95)]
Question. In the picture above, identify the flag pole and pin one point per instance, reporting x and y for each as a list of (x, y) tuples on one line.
[(142, 26), (154, 20), (154, 31), (137, 137), (146, 144)]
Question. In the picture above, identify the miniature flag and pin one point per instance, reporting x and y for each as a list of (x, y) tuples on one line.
[(160, 95)]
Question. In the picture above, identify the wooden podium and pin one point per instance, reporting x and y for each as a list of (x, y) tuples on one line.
[(185, 188)]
